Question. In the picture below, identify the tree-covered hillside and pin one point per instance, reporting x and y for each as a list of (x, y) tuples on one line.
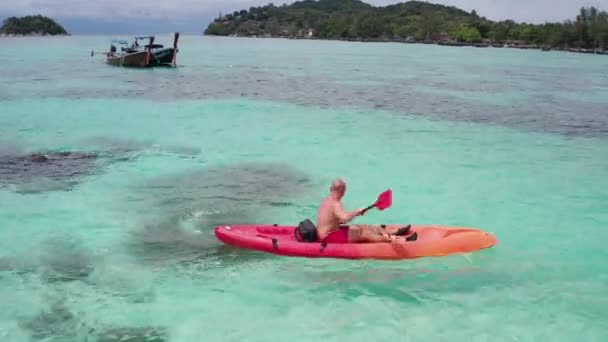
[(413, 20), (30, 25)]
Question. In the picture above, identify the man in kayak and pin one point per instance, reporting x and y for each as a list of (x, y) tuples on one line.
[(331, 215)]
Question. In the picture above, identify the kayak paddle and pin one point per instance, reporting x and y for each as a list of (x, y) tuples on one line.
[(384, 201)]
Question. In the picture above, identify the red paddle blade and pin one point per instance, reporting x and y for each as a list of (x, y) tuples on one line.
[(384, 200)]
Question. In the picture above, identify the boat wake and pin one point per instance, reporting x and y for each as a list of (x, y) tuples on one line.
[(181, 210)]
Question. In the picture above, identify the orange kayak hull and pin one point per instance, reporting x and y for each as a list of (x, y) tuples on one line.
[(433, 241)]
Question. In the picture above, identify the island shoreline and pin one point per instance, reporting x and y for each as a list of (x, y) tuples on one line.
[(437, 43)]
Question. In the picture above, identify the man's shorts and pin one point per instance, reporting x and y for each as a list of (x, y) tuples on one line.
[(338, 236)]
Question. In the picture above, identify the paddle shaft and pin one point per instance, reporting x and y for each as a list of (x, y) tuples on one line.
[(368, 208)]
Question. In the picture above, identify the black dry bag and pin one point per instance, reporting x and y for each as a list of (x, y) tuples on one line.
[(306, 231)]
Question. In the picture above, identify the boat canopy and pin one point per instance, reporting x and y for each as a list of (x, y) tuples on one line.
[(144, 37), (120, 41)]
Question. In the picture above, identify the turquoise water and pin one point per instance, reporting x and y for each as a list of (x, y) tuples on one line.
[(252, 131)]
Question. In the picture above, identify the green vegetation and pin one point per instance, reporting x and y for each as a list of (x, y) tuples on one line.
[(31, 25), (409, 21)]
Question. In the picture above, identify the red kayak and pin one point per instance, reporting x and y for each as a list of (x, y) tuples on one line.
[(432, 241)]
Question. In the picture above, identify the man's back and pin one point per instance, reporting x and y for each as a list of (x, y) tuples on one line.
[(327, 221)]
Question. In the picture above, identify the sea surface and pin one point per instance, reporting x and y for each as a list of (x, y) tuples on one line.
[(112, 179)]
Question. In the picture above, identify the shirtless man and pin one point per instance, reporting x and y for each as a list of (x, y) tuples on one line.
[(331, 215)]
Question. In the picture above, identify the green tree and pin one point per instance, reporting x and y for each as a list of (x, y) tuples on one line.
[(369, 27), (468, 34), (602, 30), (273, 27), (500, 31)]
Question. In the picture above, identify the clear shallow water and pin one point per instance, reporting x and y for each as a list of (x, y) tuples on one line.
[(512, 142)]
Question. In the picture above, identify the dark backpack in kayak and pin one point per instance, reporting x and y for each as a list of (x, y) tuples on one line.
[(306, 231)]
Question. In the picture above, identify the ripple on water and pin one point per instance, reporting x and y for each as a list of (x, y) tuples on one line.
[(148, 266), (520, 101)]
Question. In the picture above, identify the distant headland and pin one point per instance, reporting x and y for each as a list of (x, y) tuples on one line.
[(32, 25), (412, 22)]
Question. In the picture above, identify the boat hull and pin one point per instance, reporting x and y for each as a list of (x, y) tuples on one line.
[(433, 241), (161, 57)]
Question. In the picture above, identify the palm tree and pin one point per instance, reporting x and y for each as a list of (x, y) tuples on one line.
[(593, 21), (579, 29), (582, 23)]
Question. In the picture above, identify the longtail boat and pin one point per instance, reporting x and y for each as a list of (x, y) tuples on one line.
[(136, 55)]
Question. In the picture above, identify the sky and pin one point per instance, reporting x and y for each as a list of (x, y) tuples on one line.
[(193, 16)]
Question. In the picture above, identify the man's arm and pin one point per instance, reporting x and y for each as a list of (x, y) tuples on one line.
[(344, 216)]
